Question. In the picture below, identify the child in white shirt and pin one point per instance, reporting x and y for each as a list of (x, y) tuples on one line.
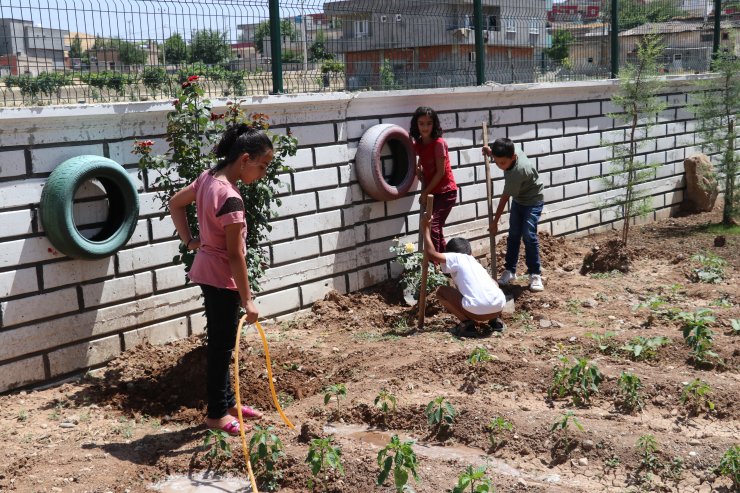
[(476, 297)]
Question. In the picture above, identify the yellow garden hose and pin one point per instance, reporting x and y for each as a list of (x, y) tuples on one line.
[(238, 399)]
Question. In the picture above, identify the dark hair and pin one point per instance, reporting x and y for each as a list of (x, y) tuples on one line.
[(458, 245), (503, 148), (414, 127), (237, 140)]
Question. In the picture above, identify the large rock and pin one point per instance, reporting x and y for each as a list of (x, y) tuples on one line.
[(701, 184)]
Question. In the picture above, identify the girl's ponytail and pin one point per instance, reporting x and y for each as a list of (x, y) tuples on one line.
[(237, 140)]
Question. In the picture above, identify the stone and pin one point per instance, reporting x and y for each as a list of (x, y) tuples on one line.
[(583, 461), (587, 445), (693, 454), (545, 324), (520, 482), (589, 303), (702, 188)]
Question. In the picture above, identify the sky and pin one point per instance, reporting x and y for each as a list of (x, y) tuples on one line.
[(141, 20)]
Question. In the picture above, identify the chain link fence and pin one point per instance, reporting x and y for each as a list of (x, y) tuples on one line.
[(75, 51)]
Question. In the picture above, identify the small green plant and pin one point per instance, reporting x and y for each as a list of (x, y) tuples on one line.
[(525, 318), (630, 386), (674, 469), (573, 306), (648, 446), (606, 275), (695, 397), (729, 465), (385, 401), (496, 427), (612, 462), (265, 450), (721, 302), (285, 399), (562, 427), (22, 415), (337, 391), (605, 341), (440, 413), (479, 355), (323, 458), (220, 444), (641, 348), (401, 458), (711, 268), (735, 326), (411, 261), (473, 481), (699, 336), (580, 381), (658, 307)]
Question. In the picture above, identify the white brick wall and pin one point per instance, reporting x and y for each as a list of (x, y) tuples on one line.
[(328, 235)]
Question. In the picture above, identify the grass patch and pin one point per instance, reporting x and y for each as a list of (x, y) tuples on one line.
[(721, 229)]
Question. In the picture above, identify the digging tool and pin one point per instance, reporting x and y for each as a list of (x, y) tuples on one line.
[(424, 266), (489, 196), (238, 399)]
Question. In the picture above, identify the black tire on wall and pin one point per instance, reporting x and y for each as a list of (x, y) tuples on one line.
[(57, 201), (370, 165)]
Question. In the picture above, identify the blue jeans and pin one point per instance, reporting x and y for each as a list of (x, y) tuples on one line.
[(523, 226)]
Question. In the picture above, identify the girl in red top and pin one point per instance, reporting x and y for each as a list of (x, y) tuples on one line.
[(220, 269), (434, 170)]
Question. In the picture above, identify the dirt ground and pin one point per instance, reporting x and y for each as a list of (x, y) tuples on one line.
[(139, 420)]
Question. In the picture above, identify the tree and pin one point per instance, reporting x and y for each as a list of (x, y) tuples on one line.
[(718, 104), (175, 50), (561, 42), (317, 51), (129, 53), (639, 85), (75, 47), (633, 13), (209, 46), (262, 31)]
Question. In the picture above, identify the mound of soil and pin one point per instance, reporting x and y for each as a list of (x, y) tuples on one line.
[(607, 257)]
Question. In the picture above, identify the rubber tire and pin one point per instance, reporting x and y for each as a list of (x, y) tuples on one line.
[(57, 201), (370, 166)]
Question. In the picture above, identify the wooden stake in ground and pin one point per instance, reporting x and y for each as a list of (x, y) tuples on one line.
[(424, 266), (489, 196)]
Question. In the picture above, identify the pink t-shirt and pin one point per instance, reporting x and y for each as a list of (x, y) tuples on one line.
[(218, 204)]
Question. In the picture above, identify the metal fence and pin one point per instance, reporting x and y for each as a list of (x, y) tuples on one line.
[(70, 51)]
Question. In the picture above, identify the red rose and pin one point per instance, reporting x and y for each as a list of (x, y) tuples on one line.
[(193, 78)]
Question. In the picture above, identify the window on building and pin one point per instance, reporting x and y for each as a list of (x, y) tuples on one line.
[(590, 59), (493, 23), (706, 38), (677, 57), (725, 36), (362, 29)]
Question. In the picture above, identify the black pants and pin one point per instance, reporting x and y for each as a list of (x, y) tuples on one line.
[(222, 319)]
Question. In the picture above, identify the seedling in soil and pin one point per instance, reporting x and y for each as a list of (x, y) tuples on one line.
[(674, 470), (612, 462), (385, 401), (337, 390), (580, 381), (285, 399), (265, 449), (220, 444), (402, 459), (695, 397), (23, 415), (735, 326), (729, 465), (630, 386), (642, 348), (562, 426), (711, 269), (524, 318), (658, 309), (604, 341), (440, 413), (496, 427), (721, 303), (323, 458), (479, 355), (648, 447), (573, 306), (473, 481), (606, 275), (699, 336)]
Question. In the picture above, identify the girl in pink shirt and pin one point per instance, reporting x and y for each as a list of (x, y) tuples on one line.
[(434, 170), (220, 269)]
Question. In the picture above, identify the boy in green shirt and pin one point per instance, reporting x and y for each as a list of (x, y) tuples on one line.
[(522, 183)]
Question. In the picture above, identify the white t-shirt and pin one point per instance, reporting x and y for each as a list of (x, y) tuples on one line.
[(481, 295)]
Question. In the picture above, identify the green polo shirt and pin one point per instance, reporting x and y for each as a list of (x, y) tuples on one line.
[(522, 182)]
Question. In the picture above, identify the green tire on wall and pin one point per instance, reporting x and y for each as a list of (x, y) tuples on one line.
[(57, 202)]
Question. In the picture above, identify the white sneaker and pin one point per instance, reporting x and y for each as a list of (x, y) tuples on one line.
[(535, 283), (506, 278)]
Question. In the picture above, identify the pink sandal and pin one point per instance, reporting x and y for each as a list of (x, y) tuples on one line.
[(249, 413), (232, 428)]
